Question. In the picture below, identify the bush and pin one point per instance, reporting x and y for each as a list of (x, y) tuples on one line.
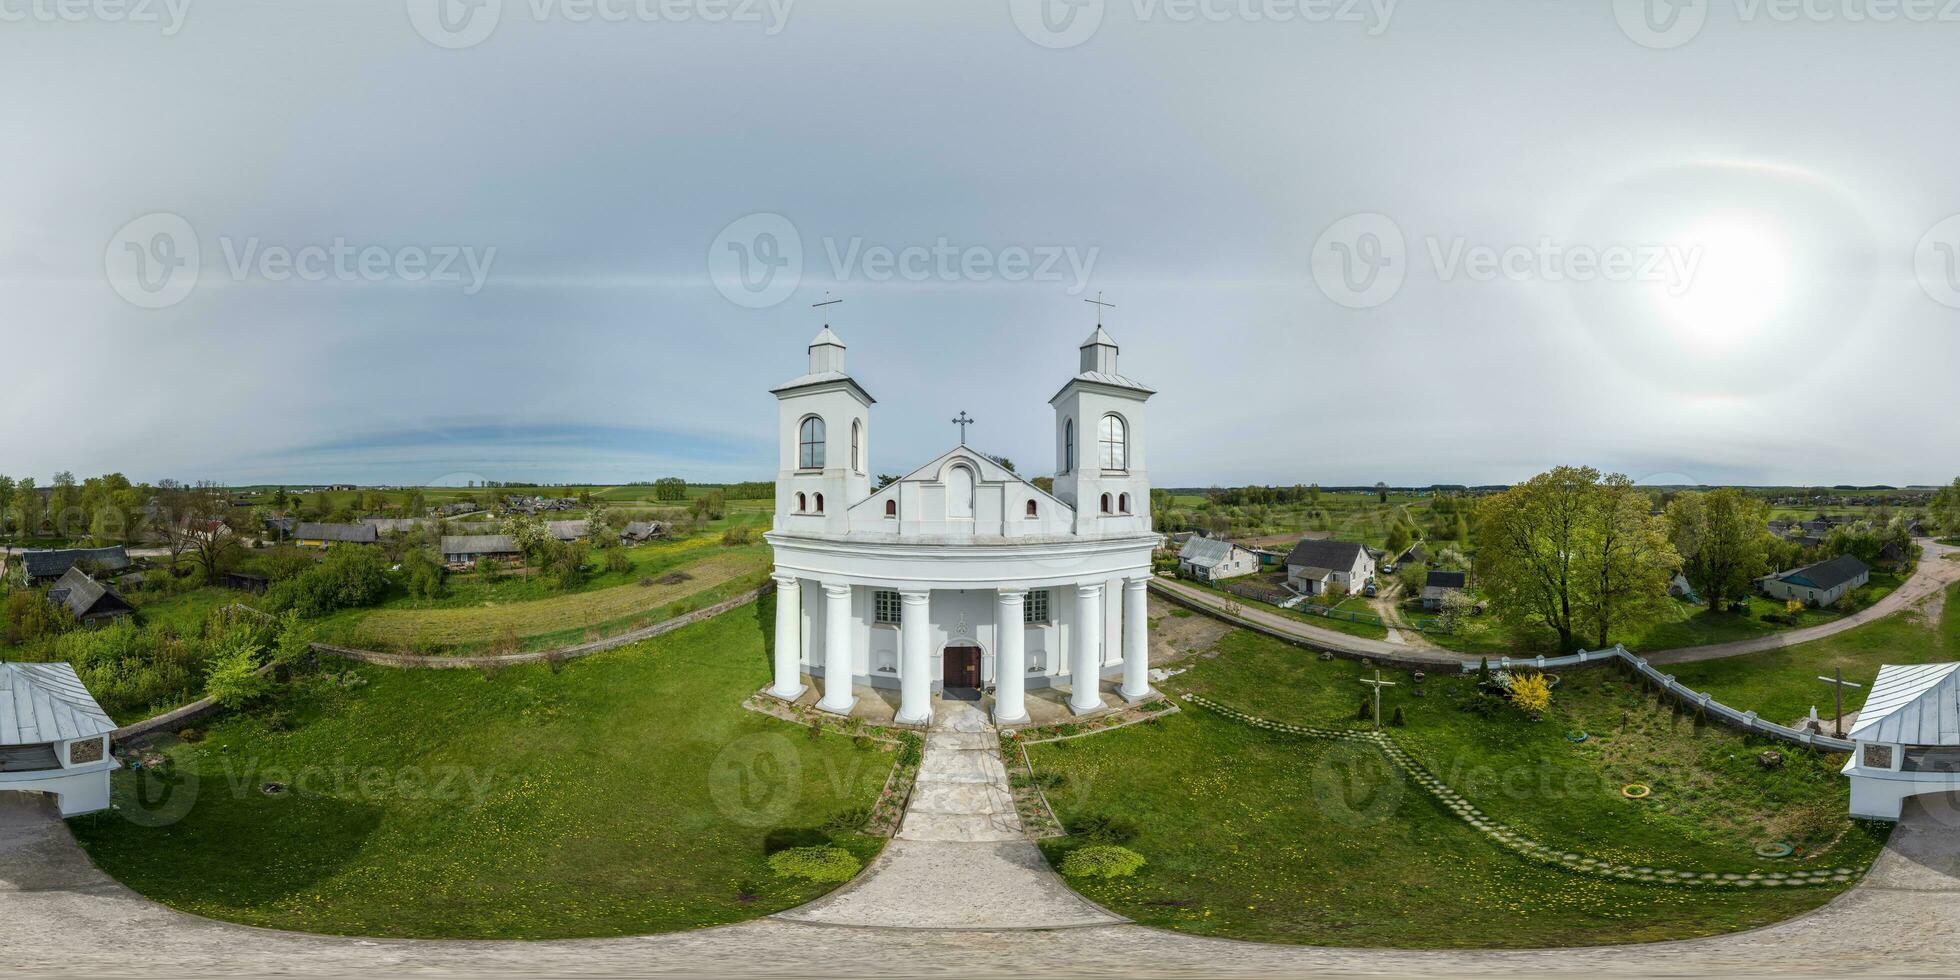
[(815, 863), (235, 680), (352, 576), (735, 536), (422, 574), (848, 821), (1101, 861), (1098, 828), (1531, 692), (617, 560), (30, 617)]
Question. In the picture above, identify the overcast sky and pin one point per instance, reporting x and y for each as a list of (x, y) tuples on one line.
[(583, 249)]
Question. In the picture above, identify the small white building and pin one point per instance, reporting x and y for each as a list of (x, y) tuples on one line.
[(1907, 739), (1214, 559), (1820, 584), (54, 738), (1313, 567)]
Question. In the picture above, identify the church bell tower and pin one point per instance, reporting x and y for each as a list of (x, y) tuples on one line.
[(823, 434), (1100, 463)]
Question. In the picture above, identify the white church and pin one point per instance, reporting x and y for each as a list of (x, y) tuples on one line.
[(962, 578)]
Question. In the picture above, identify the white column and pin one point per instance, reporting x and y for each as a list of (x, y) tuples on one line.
[(1085, 694), (789, 638), (837, 655), (915, 666), (1010, 658), (1136, 639)]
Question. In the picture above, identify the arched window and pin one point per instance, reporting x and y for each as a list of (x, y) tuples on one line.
[(1115, 444), (1031, 510), (802, 503), (1105, 503), (1123, 503), (1068, 446), (857, 444), (891, 508), (810, 444), (818, 500), (959, 493)]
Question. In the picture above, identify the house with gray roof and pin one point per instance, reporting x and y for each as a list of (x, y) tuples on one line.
[(54, 737), (45, 566), (638, 532), (1820, 584), (312, 535), (568, 530), (1437, 586), (1214, 559), (86, 599), (468, 550), (1313, 567)]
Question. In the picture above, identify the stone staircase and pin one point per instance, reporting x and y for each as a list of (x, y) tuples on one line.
[(961, 795)]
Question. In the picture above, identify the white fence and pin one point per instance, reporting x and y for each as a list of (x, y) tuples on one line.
[(1746, 720)]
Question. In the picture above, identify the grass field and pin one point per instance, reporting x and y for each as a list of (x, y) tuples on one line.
[(1782, 684), (628, 793), (1256, 835), (711, 573)]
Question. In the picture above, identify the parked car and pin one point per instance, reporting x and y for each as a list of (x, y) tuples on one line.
[(1388, 568), (1369, 591)]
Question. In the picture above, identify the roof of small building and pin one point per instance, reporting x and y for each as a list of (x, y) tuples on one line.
[(1206, 552), (1444, 580), (479, 544), (1827, 574), (47, 703), (1325, 554), (1413, 554), (568, 530), (352, 533), (80, 593), (640, 529), (52, 563), (1916, 704)]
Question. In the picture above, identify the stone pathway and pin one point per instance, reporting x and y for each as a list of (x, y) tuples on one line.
[(960, 860)]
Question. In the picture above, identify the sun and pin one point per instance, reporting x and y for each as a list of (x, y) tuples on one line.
[(1729, 277)]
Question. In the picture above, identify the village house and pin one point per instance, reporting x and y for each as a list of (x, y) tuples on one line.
[(310, 535), (640, 532), (1313, 567), (1820, 584), (568, 530), (390, 526), (86, 599), (44, 567), (1437, 586), (54, 737), (470, 550), (1215, 559)]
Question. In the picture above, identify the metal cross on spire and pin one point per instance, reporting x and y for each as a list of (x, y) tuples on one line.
[(827, 301), (963, 422), (1100, 306)]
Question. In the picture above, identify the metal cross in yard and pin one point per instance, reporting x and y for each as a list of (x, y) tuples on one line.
[(962, 422), (1378, 684), (1839, 684)]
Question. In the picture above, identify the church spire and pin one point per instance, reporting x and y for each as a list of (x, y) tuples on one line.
[(1099, 352), (826, 353)]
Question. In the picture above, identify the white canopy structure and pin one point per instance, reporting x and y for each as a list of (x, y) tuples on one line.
[(1908, 739), (54, 738)]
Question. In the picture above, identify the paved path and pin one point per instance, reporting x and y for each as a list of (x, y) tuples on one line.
[(1932, 577), (961, 860), (63, 917)]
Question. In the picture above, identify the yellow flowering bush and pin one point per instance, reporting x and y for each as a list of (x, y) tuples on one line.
[(1531, 692)]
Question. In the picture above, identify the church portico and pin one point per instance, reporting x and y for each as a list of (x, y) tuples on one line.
[(961, 579)]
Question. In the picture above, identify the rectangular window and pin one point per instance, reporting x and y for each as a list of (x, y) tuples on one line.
[(1878, 757), (884, 607), (1035, 608)]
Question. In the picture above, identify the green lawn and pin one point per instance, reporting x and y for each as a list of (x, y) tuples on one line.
[(1257, 835), (628, 793), (1782, 684)]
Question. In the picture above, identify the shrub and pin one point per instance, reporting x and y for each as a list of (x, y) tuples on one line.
[(422, 574), (30, 617), (909, 752), (1099, 828), (1531, 692), (352, 576), (848, 821), (1101, 861), (617, 560), (1399, 720), (815, 863), (735, 536), (235, 680)]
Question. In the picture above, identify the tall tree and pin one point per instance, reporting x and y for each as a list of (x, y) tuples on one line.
[(1626, 558), (6, 501), (26, 508), (1528, 543), (1723, 538)]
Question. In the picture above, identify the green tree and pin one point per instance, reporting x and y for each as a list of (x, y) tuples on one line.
[(670, 488), (1626, 559), (1528, 549), (1722, 538), (6, 501)]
